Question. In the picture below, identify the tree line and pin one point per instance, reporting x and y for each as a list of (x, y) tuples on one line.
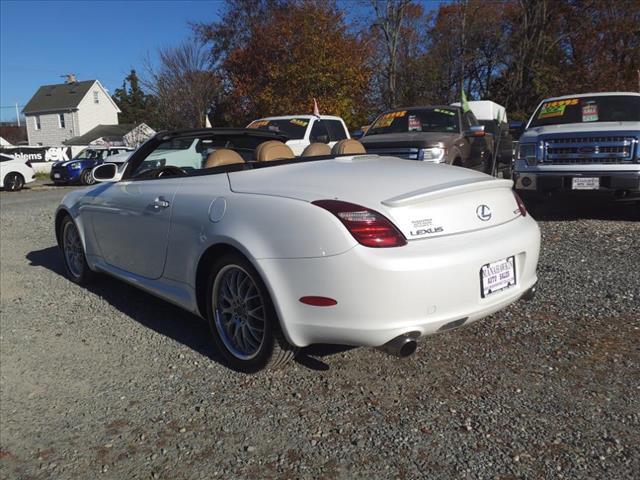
[(272, 57)]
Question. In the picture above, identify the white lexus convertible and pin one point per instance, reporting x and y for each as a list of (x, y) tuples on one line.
[(278, 252)]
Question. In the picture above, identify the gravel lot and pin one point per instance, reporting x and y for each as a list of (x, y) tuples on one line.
[(113, 383)]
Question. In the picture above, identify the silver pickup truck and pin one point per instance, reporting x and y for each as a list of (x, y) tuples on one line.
[(581, 143)]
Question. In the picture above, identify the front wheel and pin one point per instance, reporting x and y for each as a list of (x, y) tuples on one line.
[(242, 318), (75, 262), (86, 178), (13, 182)]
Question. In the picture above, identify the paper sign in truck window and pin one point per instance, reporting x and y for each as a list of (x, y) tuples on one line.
[(555, 108), (414, 124), (590, 112)]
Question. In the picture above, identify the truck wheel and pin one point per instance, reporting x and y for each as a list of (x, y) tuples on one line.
[(86, 178), (13, 182)]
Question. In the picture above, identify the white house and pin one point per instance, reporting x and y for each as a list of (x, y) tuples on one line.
[(59, 112)]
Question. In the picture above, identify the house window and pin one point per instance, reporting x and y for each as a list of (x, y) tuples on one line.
[(37, 122), (61, 119), (95, 97)]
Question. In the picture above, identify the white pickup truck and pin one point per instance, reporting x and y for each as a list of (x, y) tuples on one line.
[(581, 143), (305, 129)]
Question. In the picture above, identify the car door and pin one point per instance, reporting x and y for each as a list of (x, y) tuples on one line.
[(131, 218), (131, 222)]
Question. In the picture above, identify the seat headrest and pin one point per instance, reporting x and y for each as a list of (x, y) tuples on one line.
[(222, 156), (272, 150), (348, 146), (316, 150)]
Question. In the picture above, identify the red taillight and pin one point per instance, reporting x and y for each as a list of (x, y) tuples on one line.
[(521, 205), (368, 227)]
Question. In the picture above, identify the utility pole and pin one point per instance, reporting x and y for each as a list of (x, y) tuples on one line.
[(17, 114)]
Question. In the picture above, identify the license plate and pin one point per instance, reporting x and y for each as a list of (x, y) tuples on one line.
[(497, 276), (56, 175), (585, 183)]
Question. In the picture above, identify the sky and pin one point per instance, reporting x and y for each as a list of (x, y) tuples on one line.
[(42, 40)]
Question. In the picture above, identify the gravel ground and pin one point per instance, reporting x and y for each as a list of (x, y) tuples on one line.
[(113, 383)]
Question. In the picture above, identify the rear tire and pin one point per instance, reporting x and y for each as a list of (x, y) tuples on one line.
[(13, 182), (86, 178), (75, 261), (242, 319)]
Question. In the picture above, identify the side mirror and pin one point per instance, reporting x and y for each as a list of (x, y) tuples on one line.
[(475, 131), (107, 172), (357, 134), (322, 138)]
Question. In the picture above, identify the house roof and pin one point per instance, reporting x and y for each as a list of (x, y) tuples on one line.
[(115, 132), (58, 97)]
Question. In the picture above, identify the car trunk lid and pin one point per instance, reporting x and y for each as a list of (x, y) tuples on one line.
[(422, 199)]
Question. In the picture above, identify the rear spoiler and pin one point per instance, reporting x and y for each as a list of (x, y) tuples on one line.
[(445, 190)]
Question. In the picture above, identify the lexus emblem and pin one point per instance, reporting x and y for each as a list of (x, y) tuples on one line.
[(483, 212)]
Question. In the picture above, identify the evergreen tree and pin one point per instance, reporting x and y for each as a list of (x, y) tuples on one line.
[(137, 107)]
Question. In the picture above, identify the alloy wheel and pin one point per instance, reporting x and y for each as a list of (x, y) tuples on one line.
[(13, 182), (73, 253), (239, 312)]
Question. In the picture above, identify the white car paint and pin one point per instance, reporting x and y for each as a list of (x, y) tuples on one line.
[(9, 165), (298, 145), (300, 249)]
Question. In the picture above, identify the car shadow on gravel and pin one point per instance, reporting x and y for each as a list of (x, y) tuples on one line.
[(583, 209), (165, 318), (152, 312)]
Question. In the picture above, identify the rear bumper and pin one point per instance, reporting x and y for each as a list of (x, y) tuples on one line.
[(611, 182), (383, 293)]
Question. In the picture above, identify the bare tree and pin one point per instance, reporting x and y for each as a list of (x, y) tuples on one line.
[(389, 19), (184, 84)]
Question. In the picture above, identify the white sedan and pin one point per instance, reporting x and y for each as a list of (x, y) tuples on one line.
[(15, 173), (278, 252)]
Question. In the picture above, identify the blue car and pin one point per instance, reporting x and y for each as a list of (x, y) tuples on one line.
[(78, 169)]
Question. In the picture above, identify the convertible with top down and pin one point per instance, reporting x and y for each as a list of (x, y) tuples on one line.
[(278, 252)]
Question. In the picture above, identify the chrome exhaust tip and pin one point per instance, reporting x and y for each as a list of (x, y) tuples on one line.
[(402, 346)]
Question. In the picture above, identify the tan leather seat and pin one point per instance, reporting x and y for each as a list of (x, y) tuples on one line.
[(272, 150), (316, 150), (223, 156), (348, 146)]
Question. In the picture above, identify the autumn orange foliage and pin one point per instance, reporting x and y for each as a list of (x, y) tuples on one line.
[(300, 53)]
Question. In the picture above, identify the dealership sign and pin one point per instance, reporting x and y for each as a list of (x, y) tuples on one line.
[(39, 154)]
